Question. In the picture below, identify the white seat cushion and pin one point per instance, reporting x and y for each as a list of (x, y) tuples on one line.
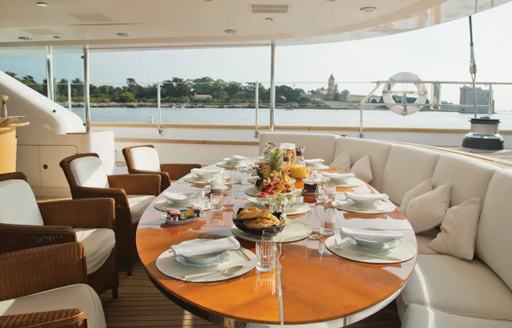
[(318, 145), (406, 167), (18, 204), (465, 288), (144, 159), (419, 316), (98, 244), (79, 296), (468, 177), (493, 240), (89, 172), (358, 148), (138, 204)]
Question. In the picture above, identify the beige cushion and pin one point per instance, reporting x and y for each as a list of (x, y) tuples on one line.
[(428, 210), (318, 145), (342, 161), (363, 169), (494, 240), (89, 172), (18, 204), (468, 177), (98, 244), (144, 159), (419, 316), (138, 204), (358, 148), (406, 167), (466, 288), (458, 230), (420, 189), (79, 296)]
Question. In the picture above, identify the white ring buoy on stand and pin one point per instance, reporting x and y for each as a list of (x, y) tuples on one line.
[(404, 108)]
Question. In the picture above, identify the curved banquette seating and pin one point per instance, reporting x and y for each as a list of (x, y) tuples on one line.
[(444, 290)]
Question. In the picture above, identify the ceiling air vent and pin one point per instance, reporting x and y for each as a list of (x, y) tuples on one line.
[(269, 8)]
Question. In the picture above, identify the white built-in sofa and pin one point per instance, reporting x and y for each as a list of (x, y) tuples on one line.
[(443, 291)]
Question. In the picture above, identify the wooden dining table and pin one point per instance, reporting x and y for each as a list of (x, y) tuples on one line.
[(311, 286)]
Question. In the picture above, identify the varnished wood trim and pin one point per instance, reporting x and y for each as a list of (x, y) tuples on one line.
[(264, 128), (189, 142)]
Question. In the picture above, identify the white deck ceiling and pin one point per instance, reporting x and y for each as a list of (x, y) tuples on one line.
[(203, 22)]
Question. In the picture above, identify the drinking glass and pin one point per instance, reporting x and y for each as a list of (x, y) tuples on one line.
[(216, 201), (313, 218), (330, 190), (328, 221), (266, 251)]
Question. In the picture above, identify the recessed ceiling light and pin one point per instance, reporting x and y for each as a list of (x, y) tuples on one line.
[(230, 31), (269, 19), (42, 4), (369, 9), (123, 34), (56, 37), (24, 37)]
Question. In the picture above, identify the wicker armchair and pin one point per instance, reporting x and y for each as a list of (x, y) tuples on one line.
[(55, 296), (24, 223), (144, 159), (132, 194)]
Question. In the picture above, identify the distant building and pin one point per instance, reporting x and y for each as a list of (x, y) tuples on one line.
[(482, 100), (332, 87)]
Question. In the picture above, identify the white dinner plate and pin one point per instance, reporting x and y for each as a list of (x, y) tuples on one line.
[(346, 248), (163, 205), (381, 207), (178, 222), (190, 178), (295, 209), (205, 260), (225, 165), (167, 264)]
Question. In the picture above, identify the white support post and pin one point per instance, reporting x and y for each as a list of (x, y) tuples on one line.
[(272, 86)]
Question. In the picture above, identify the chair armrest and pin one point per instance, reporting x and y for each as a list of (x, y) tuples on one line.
[(66, 318), (79, 213), (37, 269), (14, 237), (164, 177), (177, 171), (136, 184)]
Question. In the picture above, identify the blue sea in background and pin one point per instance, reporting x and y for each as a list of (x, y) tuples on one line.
[(302, 117)]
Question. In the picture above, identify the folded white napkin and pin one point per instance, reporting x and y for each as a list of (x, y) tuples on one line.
[(338, 176), (376, 224), (371, 235), (205, 246), (366, 197)]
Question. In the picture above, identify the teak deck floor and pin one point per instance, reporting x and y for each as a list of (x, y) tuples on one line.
[(140, 304)]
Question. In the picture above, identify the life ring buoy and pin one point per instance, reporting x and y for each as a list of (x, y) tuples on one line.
[(404, 108)]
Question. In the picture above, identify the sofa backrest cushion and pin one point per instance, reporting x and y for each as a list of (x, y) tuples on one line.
[(318, 145), (493, 240), (144, 159), (468, 177), (406, 167), (89, 172), (358, 148), (18, 204)]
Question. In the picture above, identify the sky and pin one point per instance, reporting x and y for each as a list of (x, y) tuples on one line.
[(436, 53)]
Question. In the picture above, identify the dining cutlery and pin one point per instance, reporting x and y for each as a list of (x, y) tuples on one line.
[(224, 271)]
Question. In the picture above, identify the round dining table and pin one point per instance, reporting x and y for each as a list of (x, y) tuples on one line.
[(311, 287)]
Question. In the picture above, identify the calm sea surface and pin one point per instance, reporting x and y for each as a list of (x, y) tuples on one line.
[(307, 117)]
